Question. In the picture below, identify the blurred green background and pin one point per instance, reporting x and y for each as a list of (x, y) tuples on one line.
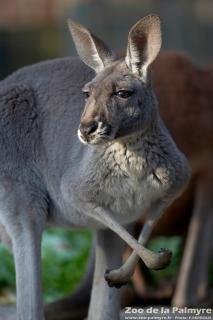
[(64, 259), (34, 30)]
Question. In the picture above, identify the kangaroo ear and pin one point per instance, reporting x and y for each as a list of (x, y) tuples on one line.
[(91, 50), (144, 43)]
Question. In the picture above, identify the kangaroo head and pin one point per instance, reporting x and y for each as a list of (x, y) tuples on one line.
[(119, 100)]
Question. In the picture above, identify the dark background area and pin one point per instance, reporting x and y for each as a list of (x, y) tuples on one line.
[(33, 30)]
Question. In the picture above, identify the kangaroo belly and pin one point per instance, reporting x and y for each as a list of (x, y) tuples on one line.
[(127, 196), (129, 199)]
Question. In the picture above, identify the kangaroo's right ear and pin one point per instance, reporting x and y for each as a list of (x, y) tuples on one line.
[(91, 49), (144, 43)]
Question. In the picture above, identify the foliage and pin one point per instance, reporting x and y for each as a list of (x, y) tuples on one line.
[(64, 257), (7, 270), (175, 245)]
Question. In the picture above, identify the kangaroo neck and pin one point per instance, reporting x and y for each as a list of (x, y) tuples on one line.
[(143, 140), (135, 153)]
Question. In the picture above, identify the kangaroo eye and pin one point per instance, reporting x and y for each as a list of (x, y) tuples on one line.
[(124, 93), (87, 94)]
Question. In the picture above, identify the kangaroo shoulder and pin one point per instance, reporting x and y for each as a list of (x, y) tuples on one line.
[(19, 120), (17, 105)]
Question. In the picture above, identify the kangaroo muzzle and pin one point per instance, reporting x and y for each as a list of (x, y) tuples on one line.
[(95, 132)]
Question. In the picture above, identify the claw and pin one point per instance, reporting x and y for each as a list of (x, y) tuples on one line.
[(113, 280)]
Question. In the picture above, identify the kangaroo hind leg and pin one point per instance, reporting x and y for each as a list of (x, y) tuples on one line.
[(23, 217)]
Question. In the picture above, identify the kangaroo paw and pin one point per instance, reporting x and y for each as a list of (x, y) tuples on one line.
[(158, 261), (119, 277)]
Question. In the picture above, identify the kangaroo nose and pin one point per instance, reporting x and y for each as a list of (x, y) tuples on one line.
[(88, 128)]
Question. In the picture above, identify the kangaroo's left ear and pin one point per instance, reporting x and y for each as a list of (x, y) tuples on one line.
[(144, 43), (92, 51)]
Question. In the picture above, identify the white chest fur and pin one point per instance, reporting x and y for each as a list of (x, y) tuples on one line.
[(126, 183)]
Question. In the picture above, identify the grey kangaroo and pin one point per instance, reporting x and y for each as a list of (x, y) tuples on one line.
[(83, 146)]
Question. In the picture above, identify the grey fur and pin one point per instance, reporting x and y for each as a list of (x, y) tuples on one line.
[(48, 177)]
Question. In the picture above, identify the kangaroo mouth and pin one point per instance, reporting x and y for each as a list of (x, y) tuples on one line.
[(108, 135), (102, 136)]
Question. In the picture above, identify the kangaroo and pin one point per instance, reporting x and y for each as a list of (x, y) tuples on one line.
[(95, 159)]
